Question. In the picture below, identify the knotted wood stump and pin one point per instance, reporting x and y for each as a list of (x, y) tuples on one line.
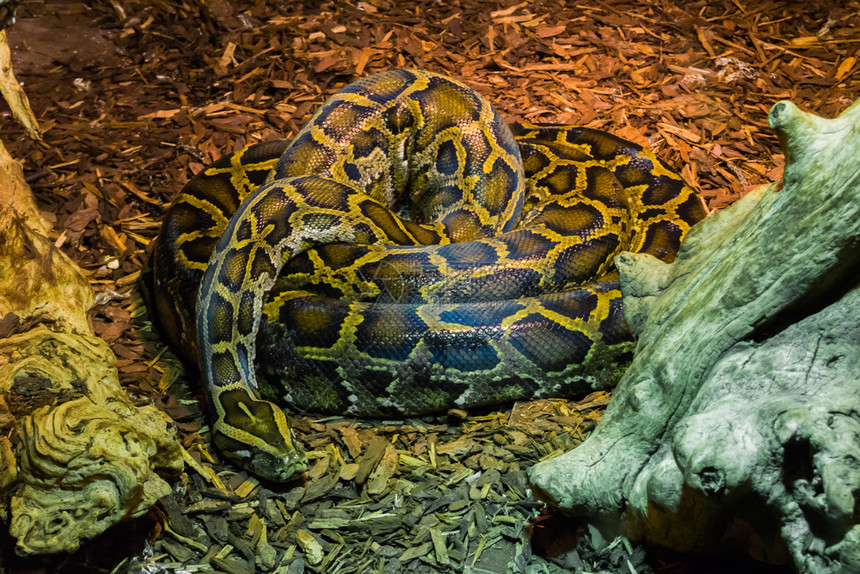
[(737, 424), (76, 455)]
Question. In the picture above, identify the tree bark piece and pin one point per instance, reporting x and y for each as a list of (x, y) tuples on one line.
[(12, 91), (738, 421), (76, 456)]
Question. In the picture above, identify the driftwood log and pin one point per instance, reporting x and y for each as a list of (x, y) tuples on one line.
[(737, 424), (76, 455)]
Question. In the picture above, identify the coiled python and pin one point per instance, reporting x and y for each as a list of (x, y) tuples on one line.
[(406, 253)]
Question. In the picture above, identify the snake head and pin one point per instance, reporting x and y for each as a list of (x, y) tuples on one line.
[(277, 465), (254, 434), (273, 466)]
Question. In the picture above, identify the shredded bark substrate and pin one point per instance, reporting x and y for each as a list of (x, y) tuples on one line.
[(136, 96)]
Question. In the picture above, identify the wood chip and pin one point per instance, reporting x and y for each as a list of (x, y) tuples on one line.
[(312, 548), (384, 471)]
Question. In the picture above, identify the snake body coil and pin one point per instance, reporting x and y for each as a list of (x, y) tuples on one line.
[(406, 253)]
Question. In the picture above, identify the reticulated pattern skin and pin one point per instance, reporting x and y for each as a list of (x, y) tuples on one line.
[(406, 253)]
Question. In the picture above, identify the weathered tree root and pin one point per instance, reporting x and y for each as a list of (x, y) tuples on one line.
[(76, 456), (738, 422)]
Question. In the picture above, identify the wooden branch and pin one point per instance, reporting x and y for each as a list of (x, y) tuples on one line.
[(739, 418), (14, 94), (76, 456)]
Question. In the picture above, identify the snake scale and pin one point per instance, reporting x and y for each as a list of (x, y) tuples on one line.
[(406, 253)]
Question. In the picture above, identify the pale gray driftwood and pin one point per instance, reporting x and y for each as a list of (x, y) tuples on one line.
[(738, 422)]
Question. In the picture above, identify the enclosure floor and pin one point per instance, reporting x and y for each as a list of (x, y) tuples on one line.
[(134, 97)]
